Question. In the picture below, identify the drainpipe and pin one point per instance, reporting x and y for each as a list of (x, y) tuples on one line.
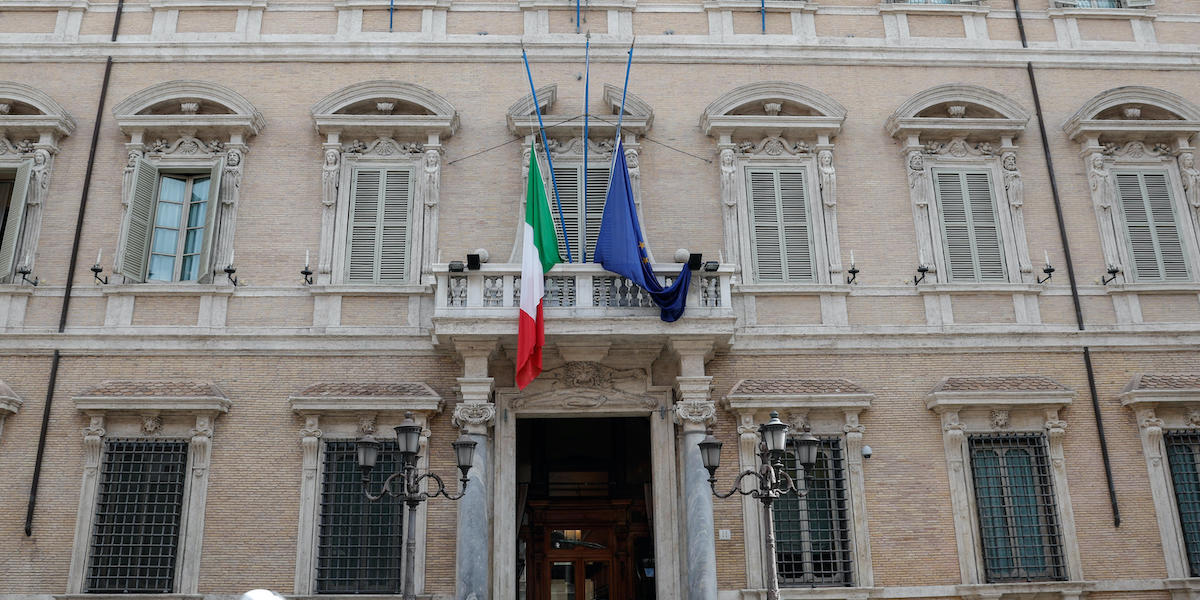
[(1062, 233), (66, 303)]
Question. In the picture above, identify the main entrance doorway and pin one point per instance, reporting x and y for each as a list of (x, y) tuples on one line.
[(583, 502)]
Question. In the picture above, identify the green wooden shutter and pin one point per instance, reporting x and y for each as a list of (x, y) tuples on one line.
[(16, 217), (793, 210), (132, 262), (970, 232), (568, 180), (205, 274), (780, 236), (597, 191), (1151, 230), (364, 220), (393, 226)]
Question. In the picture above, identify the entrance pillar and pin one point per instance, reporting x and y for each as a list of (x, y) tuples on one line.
[(474, 415), (695, 411)]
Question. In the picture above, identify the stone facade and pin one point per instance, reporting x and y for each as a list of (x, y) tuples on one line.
[(282, 102)]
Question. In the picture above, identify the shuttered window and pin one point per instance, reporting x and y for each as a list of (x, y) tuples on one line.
[(13, 198), (970, 231), (1151, 230), (379, 226), (171, 225), (570, 186), (779, 225)]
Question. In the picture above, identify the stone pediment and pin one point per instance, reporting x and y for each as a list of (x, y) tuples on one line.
[(522, 120), (588, 386)]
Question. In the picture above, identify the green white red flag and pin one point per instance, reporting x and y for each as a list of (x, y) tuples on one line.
[(539, 254)]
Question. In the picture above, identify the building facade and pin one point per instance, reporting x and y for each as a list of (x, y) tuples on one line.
[(959, 242)]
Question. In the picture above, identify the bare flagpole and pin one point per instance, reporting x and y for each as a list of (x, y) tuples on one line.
[(537, 110), (586, 86)]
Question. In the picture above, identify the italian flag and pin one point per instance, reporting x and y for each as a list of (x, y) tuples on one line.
[(539, 254)]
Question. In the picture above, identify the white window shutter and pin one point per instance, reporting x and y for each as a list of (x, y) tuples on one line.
[(15, 220), (597, 191), (1162, 209), (212, 207), (793, 211), (764, 226), (394, 220), (132, 263), (985, 229), (364, 221), (956, 228), (567, 179), (1150, 226), (970, 231), (1139, 3)]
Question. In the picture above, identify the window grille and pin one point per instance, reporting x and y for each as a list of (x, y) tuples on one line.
[(360, 543), (135, 540), (1018, 520), (812, 533), (1183, 454)]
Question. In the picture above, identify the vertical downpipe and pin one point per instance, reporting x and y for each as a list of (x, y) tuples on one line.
[(66, 302), (1062, 233)]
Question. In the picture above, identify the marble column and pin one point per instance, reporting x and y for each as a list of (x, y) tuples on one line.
[(695, 411), (473, 542)]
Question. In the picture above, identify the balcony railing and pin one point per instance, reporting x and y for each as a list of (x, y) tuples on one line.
[(497, 286)]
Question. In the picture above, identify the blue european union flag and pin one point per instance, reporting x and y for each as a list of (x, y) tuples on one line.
[(621, 249)]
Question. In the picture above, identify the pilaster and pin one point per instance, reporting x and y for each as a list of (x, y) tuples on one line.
[(474, 416), (695, 412)]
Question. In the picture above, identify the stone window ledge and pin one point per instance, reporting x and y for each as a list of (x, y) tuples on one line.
[(1102, 13), (1183, 287), (346, 398), (806, 593), (951, 9), (1055, 590), (167, 289), (17, 289), (979, 288), (792, 289), (372, 290)]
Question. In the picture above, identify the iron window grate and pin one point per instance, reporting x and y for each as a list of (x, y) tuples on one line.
[(812, 533), (1183, 455), (138, 510), (1018, 519), (361, 541)]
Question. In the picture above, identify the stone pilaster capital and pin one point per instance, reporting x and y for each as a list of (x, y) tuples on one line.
[(475, 389), (694, 414), (474, 417)]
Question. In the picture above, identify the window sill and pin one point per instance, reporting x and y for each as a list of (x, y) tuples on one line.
[(980, 288), (362, 289), (17, 289), (792, 289), (817, 593), (1180, 287), (166, 289), (1102, 13), (1047, 589), (787, 6), (942, 9)]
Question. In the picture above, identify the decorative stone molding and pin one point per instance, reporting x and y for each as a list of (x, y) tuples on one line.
[(474, 416), (1159, 402), (586, 386), (159, 108), (988, 114), (780, 124), (10, 404), (168, 409), (1172, 115), (829, 407), (34, 115), (989, 404), (347, 411)]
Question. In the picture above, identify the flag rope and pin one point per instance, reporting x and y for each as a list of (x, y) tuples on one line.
[(537, 110), (587, 63)]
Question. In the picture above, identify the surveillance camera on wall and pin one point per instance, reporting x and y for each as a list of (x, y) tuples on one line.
[(866, 451)]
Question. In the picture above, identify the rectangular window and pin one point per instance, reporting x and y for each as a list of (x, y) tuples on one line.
[(13, 189), (135, 539), (179, 220), (1183, 454), (1018, 520), (813, 532), (359, 551), (780, 235), (379, 226), (577, 219), (1151, 230), (970, 231)]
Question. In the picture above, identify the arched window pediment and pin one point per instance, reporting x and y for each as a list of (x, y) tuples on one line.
[(958, 110), (773, 108), (27, 112), (177, 107), (1134, 112), (522, 120), (382, 108)]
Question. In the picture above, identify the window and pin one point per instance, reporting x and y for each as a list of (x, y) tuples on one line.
[(780, 236), (970, 233), (1103, 3), (135, 540), (1151, 230), (12, 201), (813, 532), (570, 193), (360, 543), (378, 238), (1183, 454), (1014, 496), (171, 224)]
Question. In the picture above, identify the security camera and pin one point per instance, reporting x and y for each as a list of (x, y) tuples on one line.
[(866, 452)]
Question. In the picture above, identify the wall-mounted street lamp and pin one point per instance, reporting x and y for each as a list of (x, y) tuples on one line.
[(1112, 274), (922, 270), (772, 478), (408, 442), (24, 272)]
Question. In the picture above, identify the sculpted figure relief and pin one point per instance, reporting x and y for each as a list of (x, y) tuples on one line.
[(916, 178), (1100, 179), (1013, 185), (433, 161), (1191, 178), (828, 177), (727, 172), (329, 177), (1014, 189)]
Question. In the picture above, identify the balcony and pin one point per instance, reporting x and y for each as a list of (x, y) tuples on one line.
[(579, 299)]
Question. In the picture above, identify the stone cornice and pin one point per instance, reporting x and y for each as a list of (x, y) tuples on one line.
[(937, 9), (905, 122), (54, 119), (953, 401), (426, 402), (152, 404), (1084, 120)]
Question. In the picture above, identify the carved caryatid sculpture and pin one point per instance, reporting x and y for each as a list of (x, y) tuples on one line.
[(922, 195), (1014, 191), (231, 180), (331, 172), (729, 205), (431, 180), (1104, 195), (39, 184), (1191, 179), (827, 176)]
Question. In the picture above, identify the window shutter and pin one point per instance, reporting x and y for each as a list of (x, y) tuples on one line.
[(1139, 3), (16, 217), (364, 219), (393, 238), (212, 207), (597, 192), (793, 210), (132, 263), (764, 224), (568, 182), (969, 230), (1154, 240)]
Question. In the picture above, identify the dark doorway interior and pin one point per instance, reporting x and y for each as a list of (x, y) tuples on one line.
[(584, 508)]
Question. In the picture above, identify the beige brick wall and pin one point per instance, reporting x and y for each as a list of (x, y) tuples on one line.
[(22, 21), (994, 308), (269, 312), (159, 311), (402, 20), (563, 21), (936, 26), (1176, 308), (779, 23), (494, 23), (1117, 30), (295, 22), (680, 23), (788, 310), (207, 21), (378, 312), (849, 26), (100, 22)]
